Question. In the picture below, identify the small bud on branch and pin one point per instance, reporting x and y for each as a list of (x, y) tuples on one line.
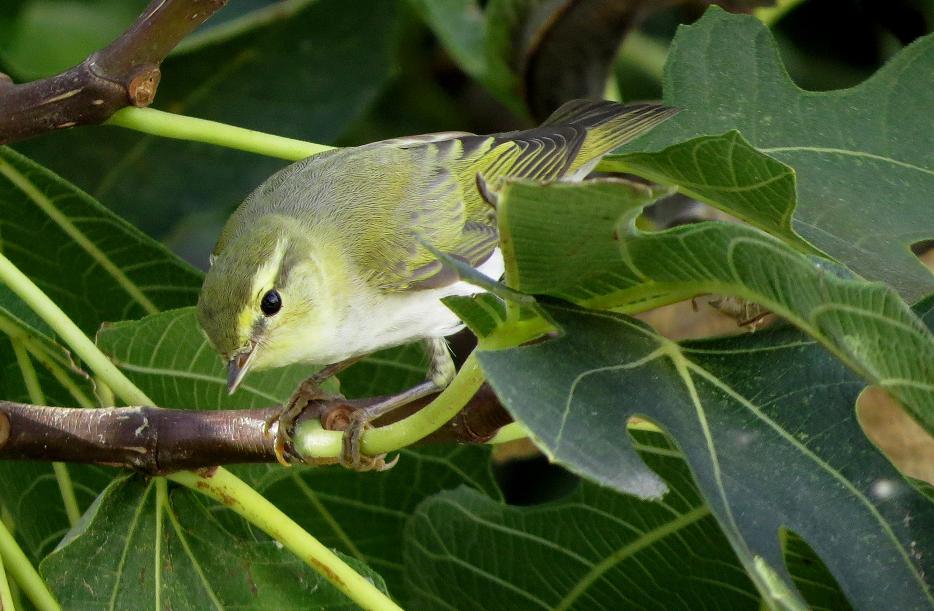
[(124, 73)]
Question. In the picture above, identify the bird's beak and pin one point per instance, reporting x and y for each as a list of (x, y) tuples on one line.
[(237, 368)]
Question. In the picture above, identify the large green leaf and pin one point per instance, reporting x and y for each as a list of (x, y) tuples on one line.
[(93, 264), (595, 549), (865, 324), (767, 425), (140, 547), (862, 156), (309, 75), (727, 172), (363, 514)]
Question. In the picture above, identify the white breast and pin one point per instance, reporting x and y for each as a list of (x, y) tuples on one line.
[(395, 319)]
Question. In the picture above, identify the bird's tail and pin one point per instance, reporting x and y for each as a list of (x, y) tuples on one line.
[(607, 125), (572, 140)]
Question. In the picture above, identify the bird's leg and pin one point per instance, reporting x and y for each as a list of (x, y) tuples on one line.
[(441, 372), (307, 391)]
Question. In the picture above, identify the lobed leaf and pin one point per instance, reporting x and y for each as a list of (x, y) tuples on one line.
[(863, 162), (727, 172), (865, 325), (767, 425)]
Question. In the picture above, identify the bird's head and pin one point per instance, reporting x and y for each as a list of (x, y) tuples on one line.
[(263, 297)]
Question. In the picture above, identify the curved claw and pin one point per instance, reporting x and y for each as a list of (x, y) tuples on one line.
[(285, 419), (351, 457)]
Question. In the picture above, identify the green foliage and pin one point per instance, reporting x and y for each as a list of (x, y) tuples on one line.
[(761, 490), (150, 548), (862, 156)]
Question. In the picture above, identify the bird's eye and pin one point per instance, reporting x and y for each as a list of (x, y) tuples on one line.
[(271, 303)]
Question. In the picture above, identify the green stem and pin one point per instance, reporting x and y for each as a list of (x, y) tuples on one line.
[(23, 573), (312, 440), (53, 316), (226, 488), (180, 127), (105, 396), (62, 377), (6, 596)]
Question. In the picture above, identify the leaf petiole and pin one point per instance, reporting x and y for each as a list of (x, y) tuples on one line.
[(225, 488), (23, 573), (180, 127)]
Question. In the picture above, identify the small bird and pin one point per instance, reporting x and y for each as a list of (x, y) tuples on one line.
[(325, 262)]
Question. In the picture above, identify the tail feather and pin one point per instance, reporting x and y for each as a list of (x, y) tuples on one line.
[(574, 138)]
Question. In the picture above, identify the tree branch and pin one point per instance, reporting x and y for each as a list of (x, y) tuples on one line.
[(124, 73), (159, 441)]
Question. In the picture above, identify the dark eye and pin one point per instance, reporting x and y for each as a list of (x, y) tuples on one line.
[(271, 303)]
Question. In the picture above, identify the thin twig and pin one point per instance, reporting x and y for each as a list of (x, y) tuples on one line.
[(125, 73)]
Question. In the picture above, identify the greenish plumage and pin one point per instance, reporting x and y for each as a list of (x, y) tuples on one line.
[(337, 235)]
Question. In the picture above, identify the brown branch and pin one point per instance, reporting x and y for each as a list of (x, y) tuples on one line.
[(158, 441), (124, 73)]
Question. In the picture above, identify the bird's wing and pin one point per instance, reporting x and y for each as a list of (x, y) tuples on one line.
[(444, 206), (435, 210)]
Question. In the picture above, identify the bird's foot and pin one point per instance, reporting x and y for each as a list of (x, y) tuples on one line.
[(351, 456), (307, 392)]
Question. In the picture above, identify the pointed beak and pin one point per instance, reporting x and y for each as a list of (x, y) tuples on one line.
[(237, 368)]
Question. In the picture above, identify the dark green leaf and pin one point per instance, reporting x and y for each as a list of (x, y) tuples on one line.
[(94, 265), (766, 422), (363, 514), (726, 172), (138, 547), (864, 324), (595, 549), (862, 156)]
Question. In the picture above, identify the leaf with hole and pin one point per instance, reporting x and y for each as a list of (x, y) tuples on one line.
[(767, 424)]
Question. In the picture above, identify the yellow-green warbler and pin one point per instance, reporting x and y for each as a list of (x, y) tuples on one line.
[(324, 262)]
